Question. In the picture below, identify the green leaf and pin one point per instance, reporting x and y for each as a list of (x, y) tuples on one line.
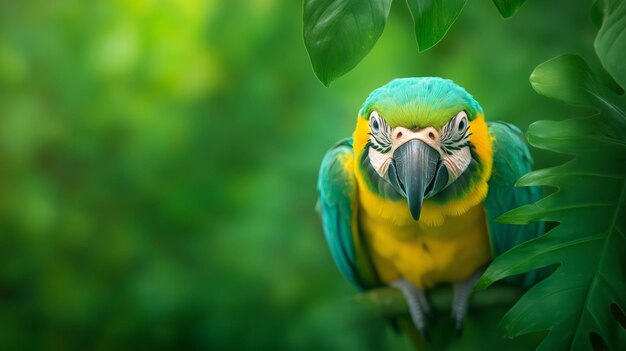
[(508, 8), (339, 33), (568, 78), (433, 19), (575, 302), (610, 42)]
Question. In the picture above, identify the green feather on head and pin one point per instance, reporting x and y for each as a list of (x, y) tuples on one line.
[(420, 102)]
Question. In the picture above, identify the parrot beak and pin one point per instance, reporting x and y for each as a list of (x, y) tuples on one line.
[(417, 173)]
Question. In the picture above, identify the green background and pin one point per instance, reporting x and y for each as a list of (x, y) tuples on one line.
[(158, 162)]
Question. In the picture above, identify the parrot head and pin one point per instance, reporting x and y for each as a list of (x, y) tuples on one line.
[(417, 141)]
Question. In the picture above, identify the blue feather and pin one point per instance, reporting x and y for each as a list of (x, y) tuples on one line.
[(337, 197), (511, 160)]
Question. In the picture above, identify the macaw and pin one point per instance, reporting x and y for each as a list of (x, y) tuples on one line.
[(410, 200)]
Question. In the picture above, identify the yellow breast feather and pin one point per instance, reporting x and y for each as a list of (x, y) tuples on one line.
[(450, 240)]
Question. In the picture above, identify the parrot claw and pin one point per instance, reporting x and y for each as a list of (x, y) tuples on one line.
[(461, 294), (418, 305)]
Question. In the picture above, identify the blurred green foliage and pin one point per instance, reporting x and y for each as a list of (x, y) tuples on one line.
[(158, 162)]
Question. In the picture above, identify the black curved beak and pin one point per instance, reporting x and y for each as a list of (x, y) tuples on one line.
[(417, 173)]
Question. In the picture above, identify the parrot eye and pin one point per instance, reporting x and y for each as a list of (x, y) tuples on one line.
[(374, 122), (380, 133), (462, 121), (375, 125), (454, 135)]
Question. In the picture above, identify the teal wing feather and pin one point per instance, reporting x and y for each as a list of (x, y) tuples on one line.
[(511, 160), (338, 206)]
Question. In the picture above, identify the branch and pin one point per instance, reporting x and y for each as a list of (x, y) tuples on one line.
[(389, 302), (382, 305)]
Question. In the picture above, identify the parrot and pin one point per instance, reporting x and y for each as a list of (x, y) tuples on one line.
[(410, 201)]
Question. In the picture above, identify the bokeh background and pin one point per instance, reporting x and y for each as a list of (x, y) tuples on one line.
[(158, 162)]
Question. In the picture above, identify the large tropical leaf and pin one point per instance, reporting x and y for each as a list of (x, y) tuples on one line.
[(339, 33), (578, 303), (610, 42), (508, 8), (433, 19)]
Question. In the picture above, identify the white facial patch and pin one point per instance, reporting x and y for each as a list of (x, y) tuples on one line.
[(381, 145), (455, 146), (380, 162), (456, 163), (452, 143)]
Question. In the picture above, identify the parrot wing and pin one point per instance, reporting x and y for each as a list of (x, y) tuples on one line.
[(511, 160), (338, 204)]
